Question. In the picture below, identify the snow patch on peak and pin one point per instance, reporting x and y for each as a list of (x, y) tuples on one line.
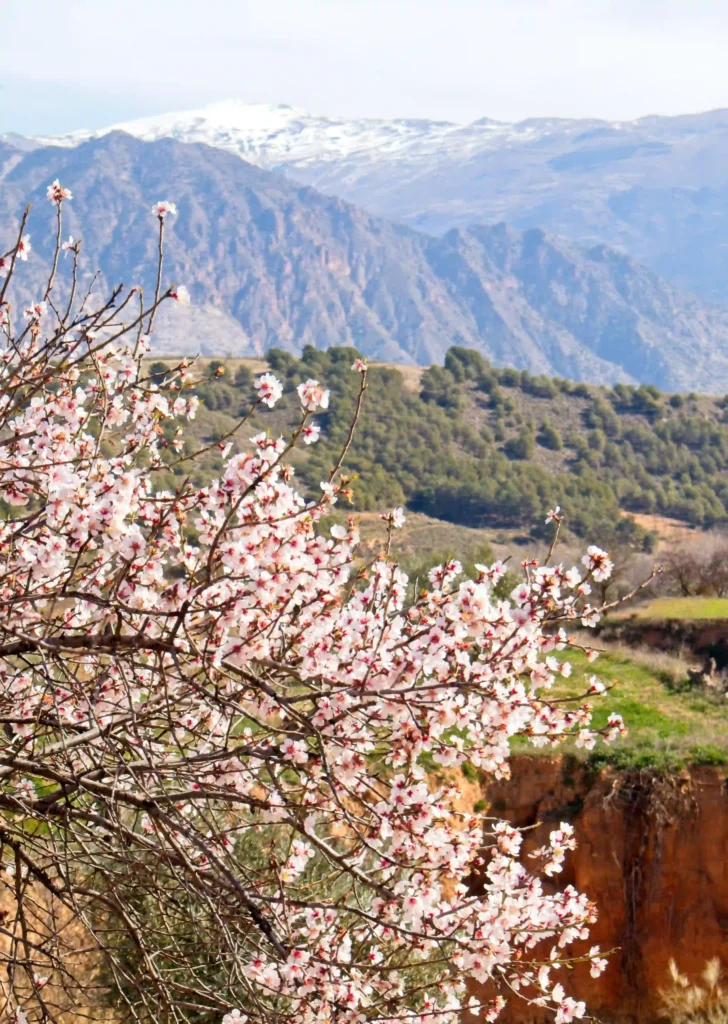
[(333, 154), (271, 134), (231, 114)]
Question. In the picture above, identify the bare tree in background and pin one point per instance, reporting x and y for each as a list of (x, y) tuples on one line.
[(699, 566)]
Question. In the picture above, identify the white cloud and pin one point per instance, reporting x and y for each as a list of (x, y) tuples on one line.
[(102, 60)]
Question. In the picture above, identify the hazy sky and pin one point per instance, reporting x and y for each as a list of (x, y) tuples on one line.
[(87, 63)]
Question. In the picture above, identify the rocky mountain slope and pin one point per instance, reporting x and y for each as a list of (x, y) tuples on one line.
[(656, 187), (269, 262)]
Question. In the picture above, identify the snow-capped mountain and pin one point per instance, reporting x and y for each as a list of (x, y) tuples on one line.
[(272, 136), (657, 187)]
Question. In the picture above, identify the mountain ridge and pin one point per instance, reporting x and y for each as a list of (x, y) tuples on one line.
[(656, 187), (275, 130), (272, 263)]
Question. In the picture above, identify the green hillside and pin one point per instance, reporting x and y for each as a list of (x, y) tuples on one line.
[(484, 447)]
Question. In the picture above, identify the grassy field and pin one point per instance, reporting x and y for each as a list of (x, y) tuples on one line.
[(683, 608), (668, 724)]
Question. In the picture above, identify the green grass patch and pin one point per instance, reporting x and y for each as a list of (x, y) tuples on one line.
[(685, 608), (641, 717), (668, 727)]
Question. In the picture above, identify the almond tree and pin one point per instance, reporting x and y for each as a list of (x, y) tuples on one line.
[(228, 765)]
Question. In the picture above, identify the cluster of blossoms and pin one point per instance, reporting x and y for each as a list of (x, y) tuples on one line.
[(218, 712), (269, 389), (313, 396)]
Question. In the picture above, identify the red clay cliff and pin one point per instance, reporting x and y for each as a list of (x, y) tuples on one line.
[(652, 853)]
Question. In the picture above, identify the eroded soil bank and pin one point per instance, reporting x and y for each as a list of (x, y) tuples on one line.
[(701, 638), (653, 854)]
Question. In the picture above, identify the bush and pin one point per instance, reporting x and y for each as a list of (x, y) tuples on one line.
[(549, 437), (521, 447)]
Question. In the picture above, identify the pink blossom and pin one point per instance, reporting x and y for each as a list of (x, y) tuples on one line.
[(568, 1010), (269, 389), (598, 563), (492, 573), (164, 207), (311, 433), (57, 193), (234, 1017), (36, 311), (396, 518), (180, 294), (24, 248), (598, 964), (313, 396), (25, 790), (294, 750), (615, 727), (596, 685)]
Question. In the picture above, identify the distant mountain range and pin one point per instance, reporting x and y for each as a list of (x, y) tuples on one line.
[(656, 187), (270, 262)]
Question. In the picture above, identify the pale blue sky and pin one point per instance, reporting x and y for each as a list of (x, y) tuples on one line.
[(88, 63)]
